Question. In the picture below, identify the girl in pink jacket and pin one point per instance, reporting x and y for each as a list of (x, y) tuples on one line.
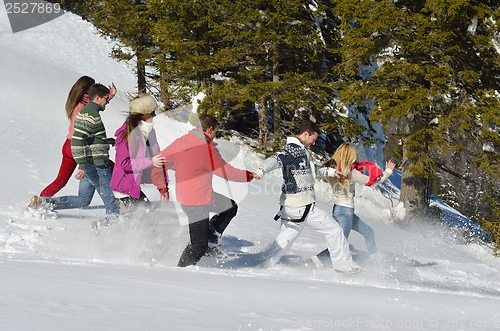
[(137, 152)]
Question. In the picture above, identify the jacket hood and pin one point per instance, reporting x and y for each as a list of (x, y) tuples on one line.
[(193, 139)]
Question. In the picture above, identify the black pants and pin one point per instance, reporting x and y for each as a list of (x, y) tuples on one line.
[(202, 229), (133, 203)]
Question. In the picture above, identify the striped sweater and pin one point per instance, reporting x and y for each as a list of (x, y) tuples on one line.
[(89, 143)]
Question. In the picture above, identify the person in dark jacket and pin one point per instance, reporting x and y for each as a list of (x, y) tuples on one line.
[(196, 160)]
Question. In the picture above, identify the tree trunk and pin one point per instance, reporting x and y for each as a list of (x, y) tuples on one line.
[(141, 65), (262, 113), (413, 195), (276, 104), (277, 118), (413, 186), (141, 73)]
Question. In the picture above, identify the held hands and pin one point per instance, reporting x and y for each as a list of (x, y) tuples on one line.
[(390, 165), (158, 161), (164, 197), (251, 175), (338, 174), (255, 175), (80, 174), (111, 141), (164, 194)]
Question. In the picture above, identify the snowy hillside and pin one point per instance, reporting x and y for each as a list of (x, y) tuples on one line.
[(55, 274)]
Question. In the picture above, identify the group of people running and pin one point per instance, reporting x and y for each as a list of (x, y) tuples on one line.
[(195, 159)]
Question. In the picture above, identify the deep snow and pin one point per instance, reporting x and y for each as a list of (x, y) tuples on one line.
[(55, 274)]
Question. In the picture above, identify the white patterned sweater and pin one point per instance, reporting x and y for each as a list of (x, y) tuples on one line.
[(299, 173)]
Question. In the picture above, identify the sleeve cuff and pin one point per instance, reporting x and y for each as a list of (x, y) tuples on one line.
[(331, 172)]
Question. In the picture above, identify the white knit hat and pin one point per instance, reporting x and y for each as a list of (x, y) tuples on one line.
[(143, 104)]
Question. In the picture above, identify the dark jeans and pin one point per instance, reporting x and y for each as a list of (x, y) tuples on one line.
[(202, 229)]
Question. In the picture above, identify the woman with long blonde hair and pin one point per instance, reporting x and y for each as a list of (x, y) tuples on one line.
[(344, 191)]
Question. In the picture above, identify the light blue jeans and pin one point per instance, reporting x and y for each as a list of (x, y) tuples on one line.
[(96, 178), (349, 221)]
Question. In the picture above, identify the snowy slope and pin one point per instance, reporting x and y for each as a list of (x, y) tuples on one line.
[(56, 275)]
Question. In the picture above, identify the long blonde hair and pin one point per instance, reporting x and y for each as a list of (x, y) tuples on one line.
[(345, 155), (76, 93)]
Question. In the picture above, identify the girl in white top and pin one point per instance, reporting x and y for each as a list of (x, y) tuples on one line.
[(344, 191)]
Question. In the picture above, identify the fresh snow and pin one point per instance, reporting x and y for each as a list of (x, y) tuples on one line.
[(55, 274)]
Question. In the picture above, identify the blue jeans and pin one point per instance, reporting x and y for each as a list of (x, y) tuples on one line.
[(349, 221), (96, 178)]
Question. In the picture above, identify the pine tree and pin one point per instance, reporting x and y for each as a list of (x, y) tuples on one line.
[(78, 7), (437, 80), (288, 49), (244, 55), (129, 22)]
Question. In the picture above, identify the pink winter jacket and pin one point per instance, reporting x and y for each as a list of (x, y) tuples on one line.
[(131, 161)]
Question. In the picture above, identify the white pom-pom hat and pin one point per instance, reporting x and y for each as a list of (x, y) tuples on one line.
[(143, 104)]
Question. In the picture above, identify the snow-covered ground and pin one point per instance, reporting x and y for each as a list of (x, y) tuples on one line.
[(55, 274)]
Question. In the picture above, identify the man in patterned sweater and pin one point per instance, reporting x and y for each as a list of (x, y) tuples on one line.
[(90, 149), (297, 200)]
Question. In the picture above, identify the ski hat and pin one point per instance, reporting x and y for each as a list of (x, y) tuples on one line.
[(143, 104)]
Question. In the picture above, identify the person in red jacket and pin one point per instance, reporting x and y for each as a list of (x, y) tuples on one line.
[(196, 160)]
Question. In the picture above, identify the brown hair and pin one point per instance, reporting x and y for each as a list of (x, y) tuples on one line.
[(132, 122), (76, 93), (98, 90), (206, 122), (308, 126)]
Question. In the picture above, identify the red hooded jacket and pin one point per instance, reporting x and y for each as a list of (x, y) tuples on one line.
[(196, 159), (373, 170)]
